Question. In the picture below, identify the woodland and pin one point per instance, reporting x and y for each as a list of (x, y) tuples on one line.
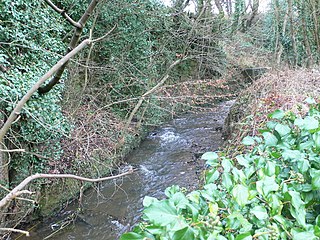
[(81, 82)]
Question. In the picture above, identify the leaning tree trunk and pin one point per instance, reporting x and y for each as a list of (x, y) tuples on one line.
[(74, 40)]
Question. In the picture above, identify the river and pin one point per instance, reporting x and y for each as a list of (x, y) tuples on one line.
[(168, 156)]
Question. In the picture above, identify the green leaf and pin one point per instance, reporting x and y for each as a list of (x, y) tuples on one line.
[(292, 154), (185, 233), (241, 194), (270, 168), (170, 191), (282, 129), (179, 200), (248, 141), (211, 158), (227, 165), (260, 212), (267, 185), (161, 213), (277, 114), (303, 235), (227, 181), (275, 204), (132, 236), (147, 201), (242, 161), (316, 139), (311, 123), (244, 236), (212, 175), (310, 100), (315, 182), (298, 209), (303, 165), (270, 139)]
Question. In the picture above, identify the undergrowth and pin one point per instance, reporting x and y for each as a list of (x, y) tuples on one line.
[(269, 192)]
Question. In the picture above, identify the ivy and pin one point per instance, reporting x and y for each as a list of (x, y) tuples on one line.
[(271, 192)]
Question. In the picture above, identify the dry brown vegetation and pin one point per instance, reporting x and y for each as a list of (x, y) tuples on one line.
[(286, 90)]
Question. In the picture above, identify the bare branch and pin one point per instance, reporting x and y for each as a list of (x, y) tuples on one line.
[(16, 112), (63, 14), (15, 230), (162, 81), (74, 40), (18, 190)]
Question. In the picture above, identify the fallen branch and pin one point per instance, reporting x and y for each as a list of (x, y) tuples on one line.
[(18, 190)]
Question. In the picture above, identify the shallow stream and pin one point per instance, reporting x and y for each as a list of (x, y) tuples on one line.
[(168, 156)]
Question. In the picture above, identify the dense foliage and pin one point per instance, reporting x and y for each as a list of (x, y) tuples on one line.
[(270, 192), (292, 28), (30, 37)]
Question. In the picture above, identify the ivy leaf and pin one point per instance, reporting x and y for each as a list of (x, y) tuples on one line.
[(212, 158), (282, 129), (242, 161), (147, 201), (244, 236), (179, 200), (241, 194), (298, 209), (212, 175), (270, 168), (310, 100), (316, 139), (248, 141), (270, 139), (267, 185), (227, 165), (311, 123), (292, 154), (277, 114), (260, 212), (132, 236), (275, 204), (227, 181), (315, 182), (303, 235), (161, 213), (184, 233)]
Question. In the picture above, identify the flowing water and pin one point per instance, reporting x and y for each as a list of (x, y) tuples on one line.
[(168, 156)]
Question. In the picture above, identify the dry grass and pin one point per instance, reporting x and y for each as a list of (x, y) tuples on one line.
[(284, 90)]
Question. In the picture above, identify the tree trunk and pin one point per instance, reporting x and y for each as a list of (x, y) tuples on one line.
[(307, 46), (315, 14), (219, 7), (254, 13), (4, 170), (73, 43), (292, 33)]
